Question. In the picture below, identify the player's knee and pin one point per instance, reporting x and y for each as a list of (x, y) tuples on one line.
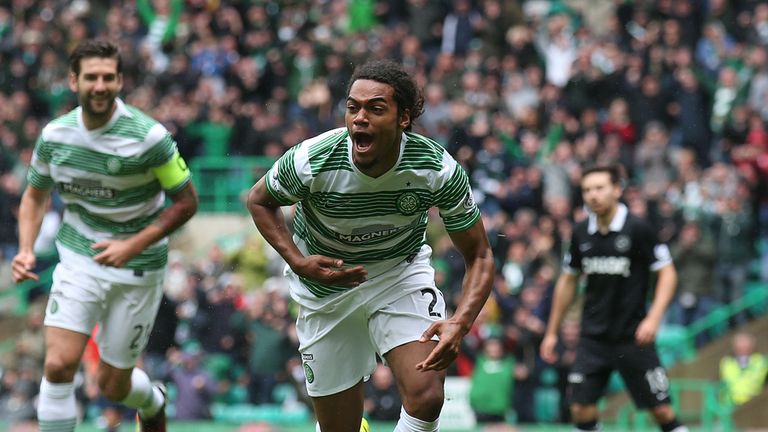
[(59, 370), (663, 413), (427, 404)]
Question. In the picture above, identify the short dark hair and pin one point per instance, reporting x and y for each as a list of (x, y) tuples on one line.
[(406, 93), (614, 171), (90, 48)]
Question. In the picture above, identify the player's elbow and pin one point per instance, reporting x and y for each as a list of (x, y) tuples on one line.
[(482, 259), (189, 204), (191, 207), (490, 263)]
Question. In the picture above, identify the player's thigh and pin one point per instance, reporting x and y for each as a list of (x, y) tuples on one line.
[(74, 306), (416, 387), (646, 380), (342, 411), (128, 319), (76, 301), (395, 331), (590, 372), (335, 348)]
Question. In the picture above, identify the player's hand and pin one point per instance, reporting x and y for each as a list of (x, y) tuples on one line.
[(447, 348), (646, 331), (329, 271), (547, 348), (22, 265), (115, 253)]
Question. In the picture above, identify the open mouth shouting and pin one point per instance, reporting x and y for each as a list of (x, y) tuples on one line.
[(362, 141)]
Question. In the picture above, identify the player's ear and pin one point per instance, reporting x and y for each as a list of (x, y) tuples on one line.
[(405, 119), (73, 81)]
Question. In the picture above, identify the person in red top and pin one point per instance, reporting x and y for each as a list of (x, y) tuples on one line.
[(619, 123)]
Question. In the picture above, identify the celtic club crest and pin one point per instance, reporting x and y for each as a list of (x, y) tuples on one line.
[(113, 165), (408, 203), (309, 373)]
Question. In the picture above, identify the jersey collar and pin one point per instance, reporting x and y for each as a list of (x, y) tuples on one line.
[(403, 141), (616, 224)]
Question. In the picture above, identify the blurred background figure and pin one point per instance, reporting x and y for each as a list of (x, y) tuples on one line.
[(382, 400), (694, 255), (745, 371), (492, 383)]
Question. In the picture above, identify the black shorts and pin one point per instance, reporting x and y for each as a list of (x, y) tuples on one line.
[(639, 367)]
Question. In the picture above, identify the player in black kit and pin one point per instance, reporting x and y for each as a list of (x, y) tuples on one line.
[(617, 252)]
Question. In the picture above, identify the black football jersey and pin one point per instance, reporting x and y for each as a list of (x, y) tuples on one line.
[(618, 267)]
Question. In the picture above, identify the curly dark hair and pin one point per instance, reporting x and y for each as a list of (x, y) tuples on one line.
[(91, 48), (406, 93)]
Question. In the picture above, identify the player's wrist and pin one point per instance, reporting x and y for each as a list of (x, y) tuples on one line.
[(295, 261)]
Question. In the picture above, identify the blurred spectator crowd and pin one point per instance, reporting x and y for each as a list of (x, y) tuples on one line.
[(523, 93)]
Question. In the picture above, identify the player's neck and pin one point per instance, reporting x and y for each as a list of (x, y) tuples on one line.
[(385, 164), (604, 220), (95, 121)]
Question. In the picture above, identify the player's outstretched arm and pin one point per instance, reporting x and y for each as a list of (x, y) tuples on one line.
[(269, 220), (564, 292), (478, 280), (31, 211)]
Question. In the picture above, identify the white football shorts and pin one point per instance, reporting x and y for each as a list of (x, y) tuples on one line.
[(125, 313), (339, 339)]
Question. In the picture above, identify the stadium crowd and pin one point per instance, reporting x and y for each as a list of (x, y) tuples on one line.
[(523, 93)]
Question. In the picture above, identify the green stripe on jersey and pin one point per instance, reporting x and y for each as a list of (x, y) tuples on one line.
[(136, 126), (421, 153), (462, 222), (103, 224), (454, 192), (406, 247), (288, 177), (330, 154), (108, 197), (38, 180), (351, 250), (84, 159), (153, 258), (276, 194), (42, 150), (68, 119), (320, 290), (352, 206), (161, 152)]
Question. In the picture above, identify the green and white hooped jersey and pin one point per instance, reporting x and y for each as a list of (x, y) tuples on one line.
[(377, 222), (112, 182)]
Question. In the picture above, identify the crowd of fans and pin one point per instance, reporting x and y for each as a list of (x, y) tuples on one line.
[(523, 93)]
